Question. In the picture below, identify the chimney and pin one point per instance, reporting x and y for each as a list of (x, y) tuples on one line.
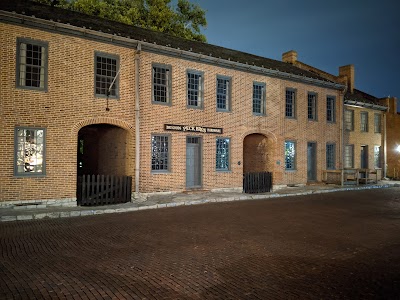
[(289, 57), (348, 71)]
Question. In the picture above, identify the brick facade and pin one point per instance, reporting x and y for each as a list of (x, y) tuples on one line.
[(70, 111)]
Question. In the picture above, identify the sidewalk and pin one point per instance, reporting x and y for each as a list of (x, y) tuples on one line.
[(40, 211)]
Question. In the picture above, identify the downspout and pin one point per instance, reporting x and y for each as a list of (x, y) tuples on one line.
[(341, 166), (137, 120), (384, 146)]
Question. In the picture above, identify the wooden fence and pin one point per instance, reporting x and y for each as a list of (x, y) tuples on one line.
[(260, 182), (103, 189)]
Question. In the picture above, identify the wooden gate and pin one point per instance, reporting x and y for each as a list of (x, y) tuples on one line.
[(103, 189), (260, 182)]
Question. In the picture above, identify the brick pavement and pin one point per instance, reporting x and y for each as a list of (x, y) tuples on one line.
[(343, 245)]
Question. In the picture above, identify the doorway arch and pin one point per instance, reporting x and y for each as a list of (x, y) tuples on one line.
[(257, 153), (103, 149)]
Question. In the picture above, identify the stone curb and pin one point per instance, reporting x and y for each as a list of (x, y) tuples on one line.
[(81, 213)]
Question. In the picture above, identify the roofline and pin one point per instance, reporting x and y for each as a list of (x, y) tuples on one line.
[(364, 104), (53, 26)]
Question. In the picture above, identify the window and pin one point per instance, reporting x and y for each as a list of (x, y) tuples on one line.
[(29, 151), (349, 156), (106, 75), (377, 156), (222, 154), (364, 121), (330, 109), (377, 123), (312, 106), (195, 89), (290, 103), (161, 84), (160, 153), (32, 64), (330, 156), (259, 98), (290, 155), (223, 93), (349, 119)]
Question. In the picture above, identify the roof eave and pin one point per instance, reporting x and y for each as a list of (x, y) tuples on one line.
[(50, 25)]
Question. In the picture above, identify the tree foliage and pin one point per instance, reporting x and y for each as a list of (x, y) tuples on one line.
[(184, 20)]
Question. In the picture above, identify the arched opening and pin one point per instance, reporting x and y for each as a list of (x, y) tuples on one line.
[(103, 165), (103, 149), (257, 153)]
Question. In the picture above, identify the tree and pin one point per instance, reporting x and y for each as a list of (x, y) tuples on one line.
[(185, 20)]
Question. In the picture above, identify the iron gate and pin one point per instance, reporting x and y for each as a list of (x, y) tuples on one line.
[(103, 189), (260, 182)]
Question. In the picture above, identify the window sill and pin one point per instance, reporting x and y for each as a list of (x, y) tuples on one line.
[(223, 171)]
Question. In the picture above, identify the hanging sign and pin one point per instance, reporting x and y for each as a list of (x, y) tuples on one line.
[(190, 128)]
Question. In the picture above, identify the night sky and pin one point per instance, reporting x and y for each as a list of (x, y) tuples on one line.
[(325, 35)]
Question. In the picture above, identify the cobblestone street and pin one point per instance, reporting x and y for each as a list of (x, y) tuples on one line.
[(342, 245)]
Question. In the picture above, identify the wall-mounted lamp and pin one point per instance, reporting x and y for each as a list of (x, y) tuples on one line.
[(398, 148)]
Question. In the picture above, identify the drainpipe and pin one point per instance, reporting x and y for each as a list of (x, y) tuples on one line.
[(341, 166), (137, 120), (384, 146)]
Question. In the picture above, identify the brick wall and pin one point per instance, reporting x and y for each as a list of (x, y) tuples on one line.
[(359, 138), (236, 125), (70, 104), (393, 139)]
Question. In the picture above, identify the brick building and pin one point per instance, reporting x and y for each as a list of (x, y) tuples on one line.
[(83, 95), (365, 122), (393, 138)]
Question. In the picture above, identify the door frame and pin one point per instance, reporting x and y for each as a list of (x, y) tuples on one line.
[(315, 160), (200, 162)]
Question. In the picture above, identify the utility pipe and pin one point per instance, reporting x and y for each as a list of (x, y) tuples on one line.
[(137, 118)]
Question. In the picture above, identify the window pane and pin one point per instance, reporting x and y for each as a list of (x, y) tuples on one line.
[(330, 156), (161, 84), (222, 154), (106, 70), (258, 98), (159, 153), (32, 65), (290, 155), (311, 108), (30, 151), (289, 109), (222, 93)]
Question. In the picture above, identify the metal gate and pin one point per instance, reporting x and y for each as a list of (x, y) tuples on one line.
[(260, 182), (103, 189)]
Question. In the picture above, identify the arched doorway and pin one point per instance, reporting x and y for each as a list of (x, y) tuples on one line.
[(103, 165), (257, 153), (257, 164)]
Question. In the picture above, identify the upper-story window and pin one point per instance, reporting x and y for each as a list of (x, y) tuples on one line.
[(161, 84), (312, 106), (195, 89), (349, 119), (259, 105), (29, 151), (32, 64), (330, 109), (290, 106), (106, 79), (377, 123), (364, 121), (223, 93)]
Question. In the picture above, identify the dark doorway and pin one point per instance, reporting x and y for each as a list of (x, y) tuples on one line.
[(103, 165)]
